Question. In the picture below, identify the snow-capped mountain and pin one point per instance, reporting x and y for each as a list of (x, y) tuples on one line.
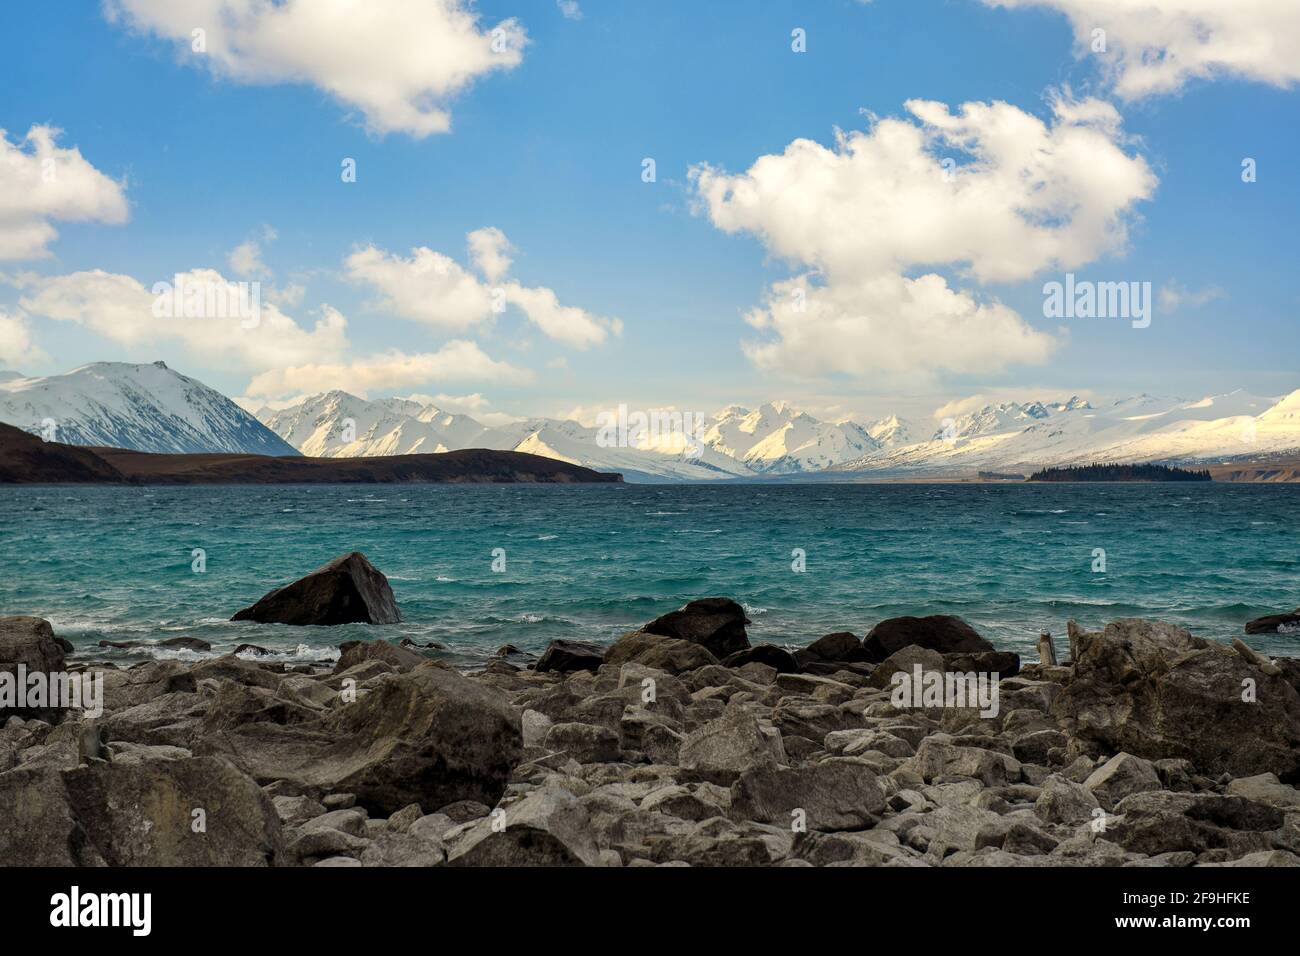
[(339, 425), (891, 432), (152, 408), (778, 439), (141, 407), (1021, 437)]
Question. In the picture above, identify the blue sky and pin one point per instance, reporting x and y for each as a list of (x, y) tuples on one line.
[(550, 153)]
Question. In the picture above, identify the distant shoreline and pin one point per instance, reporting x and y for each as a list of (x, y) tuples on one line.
[(26, 459)]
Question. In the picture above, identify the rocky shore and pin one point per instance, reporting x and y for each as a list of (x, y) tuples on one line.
[(677, 744)]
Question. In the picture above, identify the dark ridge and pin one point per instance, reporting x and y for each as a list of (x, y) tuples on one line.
[(1119, 473), (26, 459)]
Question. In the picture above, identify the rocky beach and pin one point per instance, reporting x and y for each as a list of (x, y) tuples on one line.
[(676, 744)]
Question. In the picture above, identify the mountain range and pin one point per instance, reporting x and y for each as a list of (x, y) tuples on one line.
[(155, 409)]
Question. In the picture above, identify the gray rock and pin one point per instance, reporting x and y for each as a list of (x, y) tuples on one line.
[(722, 749), (903, 661), (840, 793), (669, 654), (352, 653), (549, 827), (1120, 776), (585, 743), (1155, 691), (1064, 801), (29, 642)]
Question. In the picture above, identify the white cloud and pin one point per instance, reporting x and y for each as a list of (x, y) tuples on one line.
[(1156, 46), (889, 324), (488, 250), (457, 361), (16, 345), (245, 260), (570, 9), (428, 287), (41, 183), (122, 310), (574, 327), (1173, 297), (990, 191), (434, 289), (398, 62)]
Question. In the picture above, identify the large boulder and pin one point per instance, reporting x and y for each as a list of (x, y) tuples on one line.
[(348, 590), (778, 658), (668, 654), (722, 749), (840, 793), (1155, 691), (191, 812), (352, 653), (1271, 623), (182, 812), (840, 646), (938, 632), (716, 624), (549, 827), (429, 736), (29, 642), (565, 657)]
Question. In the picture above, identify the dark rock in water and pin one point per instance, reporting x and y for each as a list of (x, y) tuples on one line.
[(840, 646), (29, 641), (348, 590), (567, 656), (251, 649), (653, 650), (1270, 624), (1157, 692), (188, 643), (716, 624), (430, 645), (938, 632), (505, 650), (768, 654), (119, 645), (353, 653), (1002, 663)]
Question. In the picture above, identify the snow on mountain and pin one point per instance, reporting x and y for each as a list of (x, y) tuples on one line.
[(891, 432), (141, 407), (1014, 437), (339, 425), (776, 438)]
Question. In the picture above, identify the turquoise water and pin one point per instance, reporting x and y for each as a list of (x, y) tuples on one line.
[(590, 562)]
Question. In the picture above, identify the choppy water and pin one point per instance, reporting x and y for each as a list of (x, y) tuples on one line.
[(592, 562)]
